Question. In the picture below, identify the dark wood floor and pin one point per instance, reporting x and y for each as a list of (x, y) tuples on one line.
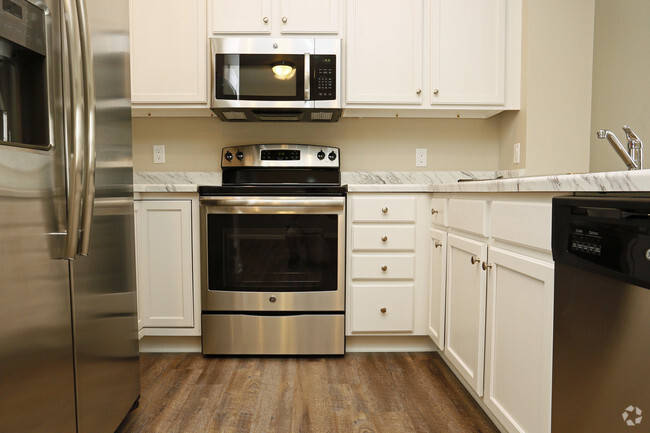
[(361, 392)]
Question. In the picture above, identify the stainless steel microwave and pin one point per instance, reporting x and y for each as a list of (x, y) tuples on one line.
[(276, 79)]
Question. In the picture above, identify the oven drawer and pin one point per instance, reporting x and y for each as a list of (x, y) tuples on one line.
[(300, 334), (383, 238), (383, 266), (383, 208), (382, 308)]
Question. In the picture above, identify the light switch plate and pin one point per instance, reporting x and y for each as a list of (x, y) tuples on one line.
[(159, 154), (420, 157)]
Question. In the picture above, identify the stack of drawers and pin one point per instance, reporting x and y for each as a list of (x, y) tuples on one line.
[(382, 263)]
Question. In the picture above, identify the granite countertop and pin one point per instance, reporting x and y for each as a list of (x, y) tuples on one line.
[(427, 181)]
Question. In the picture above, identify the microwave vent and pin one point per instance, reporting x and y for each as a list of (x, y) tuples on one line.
[(235, 115), (321, 115)]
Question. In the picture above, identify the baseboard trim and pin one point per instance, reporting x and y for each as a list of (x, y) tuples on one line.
[(389, 344), (154, 344)]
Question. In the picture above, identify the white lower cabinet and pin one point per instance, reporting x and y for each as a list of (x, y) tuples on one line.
[(437, 292), (519, 341), (387, 264), (465, 308), (491, 285), (165, 267)]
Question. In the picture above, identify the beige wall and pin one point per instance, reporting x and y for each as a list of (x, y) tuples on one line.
[(621, 88), (553, 124), (194, 144)]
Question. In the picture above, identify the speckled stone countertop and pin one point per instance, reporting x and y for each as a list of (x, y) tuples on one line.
[(428, 181)]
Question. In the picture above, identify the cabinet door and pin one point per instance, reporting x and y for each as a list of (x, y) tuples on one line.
[(310, 16), (165, 282), (519, 341), (168, 51), (465, 309), (437, 287), (384, 52), (468, 51), (241, 16)]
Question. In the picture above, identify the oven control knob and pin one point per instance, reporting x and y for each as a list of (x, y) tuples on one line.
[(228, 156), (272, 299), (240, 155), (320, 155), (332, 156)]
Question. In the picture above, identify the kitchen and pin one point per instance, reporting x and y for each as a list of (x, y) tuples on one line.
[(549, 114)]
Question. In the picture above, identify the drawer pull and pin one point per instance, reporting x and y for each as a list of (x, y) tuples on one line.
[(384, 268), (475, 260), (433, 211), (384, 210), (486, 266), (437, 244), (384, 238), (383, 310)]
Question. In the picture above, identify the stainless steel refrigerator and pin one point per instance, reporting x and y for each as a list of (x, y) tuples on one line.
[(68, 326)]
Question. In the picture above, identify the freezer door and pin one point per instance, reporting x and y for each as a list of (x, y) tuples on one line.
[(104, 297), (37, 391)]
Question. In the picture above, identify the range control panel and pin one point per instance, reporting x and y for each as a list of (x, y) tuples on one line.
[(280, 155), (323, 81)]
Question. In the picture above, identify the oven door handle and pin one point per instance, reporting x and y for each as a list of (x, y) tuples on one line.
[(274, 202)]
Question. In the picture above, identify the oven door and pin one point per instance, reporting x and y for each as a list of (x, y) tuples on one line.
[(273, 253)]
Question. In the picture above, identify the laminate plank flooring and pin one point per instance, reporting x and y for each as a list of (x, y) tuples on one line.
[(357, 393)]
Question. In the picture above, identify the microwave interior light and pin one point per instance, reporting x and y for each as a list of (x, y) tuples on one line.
[(283, 71)]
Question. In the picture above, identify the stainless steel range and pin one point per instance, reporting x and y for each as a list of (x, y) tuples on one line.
[(273, 253)]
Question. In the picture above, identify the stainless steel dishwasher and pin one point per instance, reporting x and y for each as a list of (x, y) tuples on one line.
[(601, 344)]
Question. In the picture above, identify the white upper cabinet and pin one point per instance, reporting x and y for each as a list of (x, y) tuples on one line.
[(168, 52), (275, 17), (384, 52), (241, 16), (310, 16), (468, 43)]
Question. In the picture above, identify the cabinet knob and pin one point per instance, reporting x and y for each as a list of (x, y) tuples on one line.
[(384, 268), (266, 20), (384, 210), (437, 244), (433, 211), (383, 310), (475, 260), (486, 266), (418, 91), (436, 91), (384, 238), (284, 20)]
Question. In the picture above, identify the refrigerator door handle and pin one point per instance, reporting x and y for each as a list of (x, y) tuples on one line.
[(78, 136), (89, 117)]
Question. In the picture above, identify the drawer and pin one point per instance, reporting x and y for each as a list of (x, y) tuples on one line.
[(383, 208), (439, 211), (383, 238), (468, 215), (527, 224), (382, 308), (371, 266)]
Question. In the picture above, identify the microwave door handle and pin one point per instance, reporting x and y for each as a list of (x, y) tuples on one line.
[(89, 118), (77, 136), (307, 76)]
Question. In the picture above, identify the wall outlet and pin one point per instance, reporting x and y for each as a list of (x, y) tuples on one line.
[(420, 157), (516, 153), (159, 154)]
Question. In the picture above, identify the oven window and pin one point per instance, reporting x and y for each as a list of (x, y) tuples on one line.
[(260, 77), (272, 253)]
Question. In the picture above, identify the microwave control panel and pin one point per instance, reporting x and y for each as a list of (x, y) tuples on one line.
[(323, 82)]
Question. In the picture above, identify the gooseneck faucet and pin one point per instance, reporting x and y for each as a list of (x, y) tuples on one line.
[(633, 157)]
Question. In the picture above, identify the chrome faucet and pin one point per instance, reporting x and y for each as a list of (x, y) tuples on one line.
[(633, 157)]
